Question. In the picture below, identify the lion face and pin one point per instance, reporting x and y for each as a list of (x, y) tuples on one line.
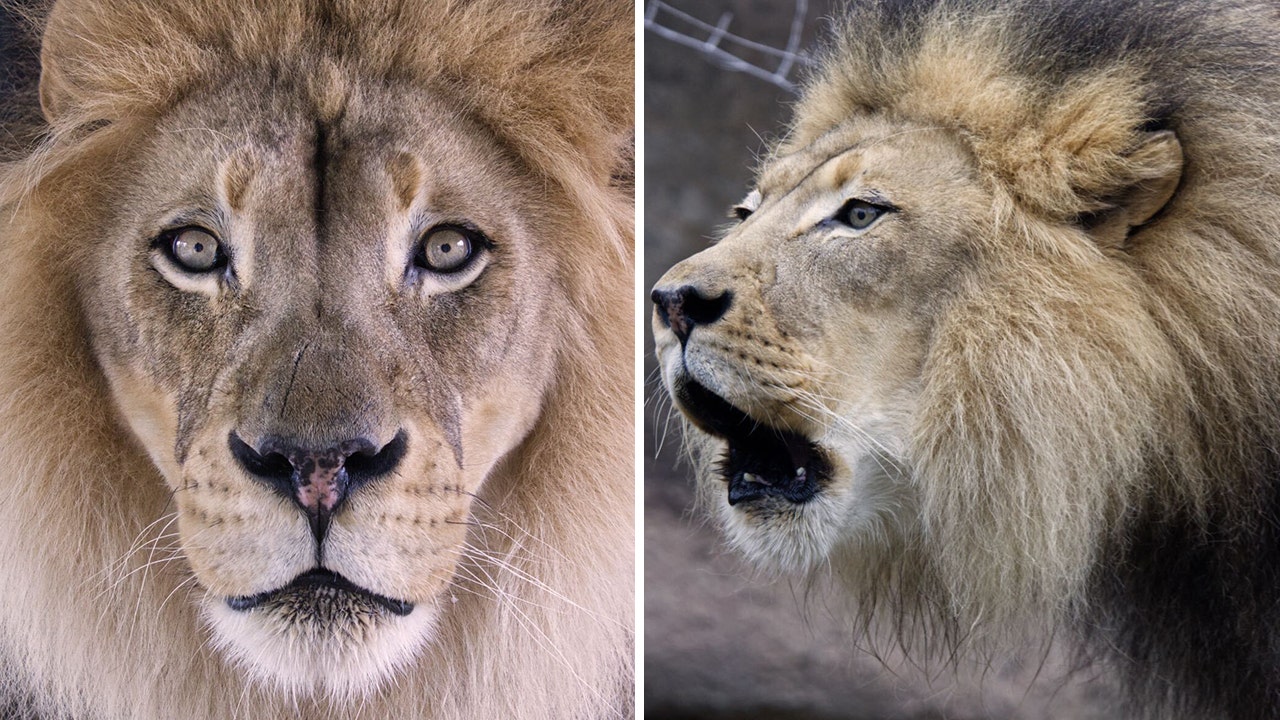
[(321, 324), (897, 367), (795, 345)]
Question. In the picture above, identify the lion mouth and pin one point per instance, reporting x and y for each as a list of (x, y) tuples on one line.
[(320, 593), (761, 460)]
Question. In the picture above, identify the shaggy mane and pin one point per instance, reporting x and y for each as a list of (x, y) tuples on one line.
[(95, 619), (1098, 429)]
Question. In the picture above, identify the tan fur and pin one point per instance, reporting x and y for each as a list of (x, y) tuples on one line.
[(118, 383), (1017, 360)]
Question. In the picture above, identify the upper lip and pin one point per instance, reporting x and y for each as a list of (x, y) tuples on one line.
[(320, 577), (761, 460)]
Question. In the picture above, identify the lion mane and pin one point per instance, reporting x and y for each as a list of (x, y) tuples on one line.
[(1097, 435), (94, 620), (1100, 439)]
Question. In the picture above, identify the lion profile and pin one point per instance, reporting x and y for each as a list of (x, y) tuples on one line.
[(308, 307), (997, 335)]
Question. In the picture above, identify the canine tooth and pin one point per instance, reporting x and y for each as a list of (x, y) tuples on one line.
[(801, 472), (750, 477)]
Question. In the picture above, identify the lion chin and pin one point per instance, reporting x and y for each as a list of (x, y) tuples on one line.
[(319, 635), (789, 498)]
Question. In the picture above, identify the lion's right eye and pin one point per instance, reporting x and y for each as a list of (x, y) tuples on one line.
[(860, 214), (195, 250)]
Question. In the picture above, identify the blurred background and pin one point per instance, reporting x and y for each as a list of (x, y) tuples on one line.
[(721, 643)]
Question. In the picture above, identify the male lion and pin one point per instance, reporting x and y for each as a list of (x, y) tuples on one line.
[(316, 315), (998, 334)]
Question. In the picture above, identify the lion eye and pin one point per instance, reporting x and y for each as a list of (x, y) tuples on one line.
[(196, 250), (859, 214), (743, 210), (447, 248)]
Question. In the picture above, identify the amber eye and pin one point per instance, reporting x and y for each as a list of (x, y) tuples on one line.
[(447, 248), (194, 249), (860, 214)]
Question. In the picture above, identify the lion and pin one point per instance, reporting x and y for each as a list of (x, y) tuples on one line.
[(297, 431), (995, 340)]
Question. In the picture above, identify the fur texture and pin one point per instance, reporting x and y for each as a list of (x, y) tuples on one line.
[(107, 611), (1046, 379)]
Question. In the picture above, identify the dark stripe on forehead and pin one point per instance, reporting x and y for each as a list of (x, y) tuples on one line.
[(320, 167)]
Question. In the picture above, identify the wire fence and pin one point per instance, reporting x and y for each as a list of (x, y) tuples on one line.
[(728, 50)]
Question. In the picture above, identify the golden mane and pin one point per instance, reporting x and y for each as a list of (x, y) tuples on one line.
[(92, 627)]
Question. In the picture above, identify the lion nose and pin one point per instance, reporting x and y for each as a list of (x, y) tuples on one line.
[(318, 479), (683, 307)]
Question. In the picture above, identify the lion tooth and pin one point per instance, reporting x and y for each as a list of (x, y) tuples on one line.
[(750, 477), (800, 473)]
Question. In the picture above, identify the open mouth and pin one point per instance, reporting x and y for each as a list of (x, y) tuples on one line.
[(316, 588), (762, 461)]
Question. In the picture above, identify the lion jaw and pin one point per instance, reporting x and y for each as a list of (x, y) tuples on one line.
[(304, 659)]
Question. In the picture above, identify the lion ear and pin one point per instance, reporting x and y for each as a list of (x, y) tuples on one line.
[(99, 61), (1157, 164), (53, 93), (1155, 167), (72, 58), (56, 89)]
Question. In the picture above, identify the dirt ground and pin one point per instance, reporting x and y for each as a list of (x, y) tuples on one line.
[(719, 643)]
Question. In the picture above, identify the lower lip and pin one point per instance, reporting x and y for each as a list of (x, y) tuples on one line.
[(321, 579)]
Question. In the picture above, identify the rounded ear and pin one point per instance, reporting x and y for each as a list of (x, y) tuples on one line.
[(102, 60), (51, 92), (55, 89), (1157, 164), (1155, 169)]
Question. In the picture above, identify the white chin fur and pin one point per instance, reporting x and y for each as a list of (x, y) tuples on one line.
[(303, 662), (795, 538), (861, 511)]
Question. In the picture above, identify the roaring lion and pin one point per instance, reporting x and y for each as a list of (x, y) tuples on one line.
[(997, 337), (315, 319)]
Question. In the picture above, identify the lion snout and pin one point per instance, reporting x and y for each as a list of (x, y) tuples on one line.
[(318, 477)]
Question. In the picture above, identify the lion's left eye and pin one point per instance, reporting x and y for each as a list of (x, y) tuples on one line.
[(448, 248)]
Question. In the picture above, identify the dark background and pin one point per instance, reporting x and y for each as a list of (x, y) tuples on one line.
[(720, 642), (19, 79)]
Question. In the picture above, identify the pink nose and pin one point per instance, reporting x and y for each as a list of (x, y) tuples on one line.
[(318, 481)]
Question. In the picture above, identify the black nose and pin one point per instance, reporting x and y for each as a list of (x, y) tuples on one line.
[(681, 308), (318, 480)]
